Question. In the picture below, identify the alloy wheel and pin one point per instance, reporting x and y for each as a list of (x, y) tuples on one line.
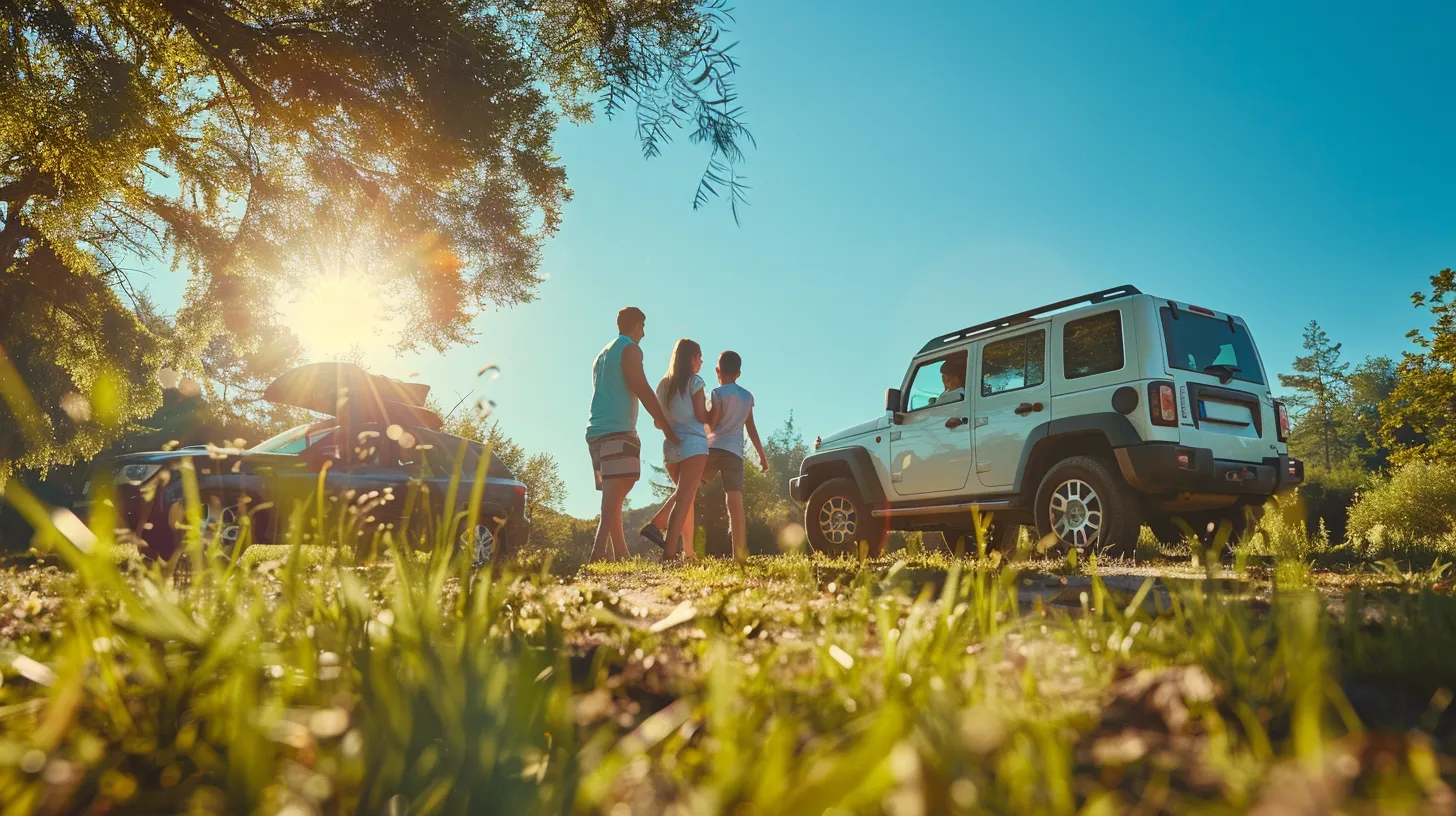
[(1076, 513), (481, 542), (222, 525), (838, 521)]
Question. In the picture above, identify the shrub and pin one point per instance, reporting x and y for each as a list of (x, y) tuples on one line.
[(1416, 504), (1292, 530), (1326, 497)]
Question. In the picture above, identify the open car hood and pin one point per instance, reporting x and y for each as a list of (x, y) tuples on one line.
[(349, 392)]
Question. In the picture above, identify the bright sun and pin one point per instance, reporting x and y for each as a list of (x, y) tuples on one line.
[(340, 317)]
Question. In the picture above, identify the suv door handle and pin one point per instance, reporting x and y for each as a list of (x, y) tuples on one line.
[(956, 422), (1028, 407)]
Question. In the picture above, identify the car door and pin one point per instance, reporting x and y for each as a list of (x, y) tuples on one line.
[(377, 478), (930, 448), (292, 485), (1011, 396)]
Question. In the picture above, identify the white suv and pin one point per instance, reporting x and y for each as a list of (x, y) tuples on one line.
[(1084, 418)]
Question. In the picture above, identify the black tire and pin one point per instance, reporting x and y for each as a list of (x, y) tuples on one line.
[(837, 519), (1095, 509), (481, 543)]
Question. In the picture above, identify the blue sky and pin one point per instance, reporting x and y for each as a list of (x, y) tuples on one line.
[(924, 166)]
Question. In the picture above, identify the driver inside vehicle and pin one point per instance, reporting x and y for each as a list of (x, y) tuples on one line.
[(953, 377)]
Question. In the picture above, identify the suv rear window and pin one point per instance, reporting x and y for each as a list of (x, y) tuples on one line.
[(1197, 342), (1092, 345)]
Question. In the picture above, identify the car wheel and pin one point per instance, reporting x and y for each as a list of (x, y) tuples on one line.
[(1083, 505), (222, 525), (480, 542), (837, 519)]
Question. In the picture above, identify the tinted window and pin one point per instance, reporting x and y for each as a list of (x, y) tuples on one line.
[(1092, 345), (938, 382), (439, 453), (1199, 343), (1016, 362), (436, 451)]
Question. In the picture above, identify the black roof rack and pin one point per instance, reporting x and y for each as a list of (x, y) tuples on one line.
[(1022, 317)]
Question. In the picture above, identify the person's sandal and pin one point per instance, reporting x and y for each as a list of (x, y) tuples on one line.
[(651, 533)]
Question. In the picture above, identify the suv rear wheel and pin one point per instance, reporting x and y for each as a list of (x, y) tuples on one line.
[(1083, 504), (837, 519)]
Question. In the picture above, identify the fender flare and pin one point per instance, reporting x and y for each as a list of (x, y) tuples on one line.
[(857, 461), (1115, 428)]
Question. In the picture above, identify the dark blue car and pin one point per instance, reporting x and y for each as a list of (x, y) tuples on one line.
[(381, 455)]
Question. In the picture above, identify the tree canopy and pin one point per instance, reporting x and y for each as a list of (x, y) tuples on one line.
[(255, 144), (1423, 401)]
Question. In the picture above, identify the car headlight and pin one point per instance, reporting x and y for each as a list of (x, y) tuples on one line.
[(136, 474)]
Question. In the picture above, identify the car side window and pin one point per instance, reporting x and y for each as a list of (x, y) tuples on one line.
[(938, 382), (1092, 345), (297, 445), (433, 454), (1014, 363)]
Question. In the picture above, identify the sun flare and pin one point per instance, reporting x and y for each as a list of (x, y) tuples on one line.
[(340, 318)]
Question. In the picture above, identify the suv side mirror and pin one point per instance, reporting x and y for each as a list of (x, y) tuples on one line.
[(892, 404)]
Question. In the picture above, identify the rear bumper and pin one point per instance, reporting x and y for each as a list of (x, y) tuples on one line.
[(1155, 468)]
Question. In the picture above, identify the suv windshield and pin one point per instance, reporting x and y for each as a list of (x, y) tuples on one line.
[(293, 440), (1198, 343)]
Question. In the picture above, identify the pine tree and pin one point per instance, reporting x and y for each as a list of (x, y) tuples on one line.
[(1321, 383)]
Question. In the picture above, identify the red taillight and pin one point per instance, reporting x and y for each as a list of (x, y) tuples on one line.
[(1163, 403), (1201, 310), (1184, 459), (1281, 415), (520, 491)]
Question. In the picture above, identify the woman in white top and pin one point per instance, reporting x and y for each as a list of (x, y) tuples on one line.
[(686, 406)]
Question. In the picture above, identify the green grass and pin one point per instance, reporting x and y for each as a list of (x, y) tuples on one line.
[(297, 679)]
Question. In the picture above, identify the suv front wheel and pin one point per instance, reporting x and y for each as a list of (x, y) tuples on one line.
[(837, 519), (1084, 505)]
